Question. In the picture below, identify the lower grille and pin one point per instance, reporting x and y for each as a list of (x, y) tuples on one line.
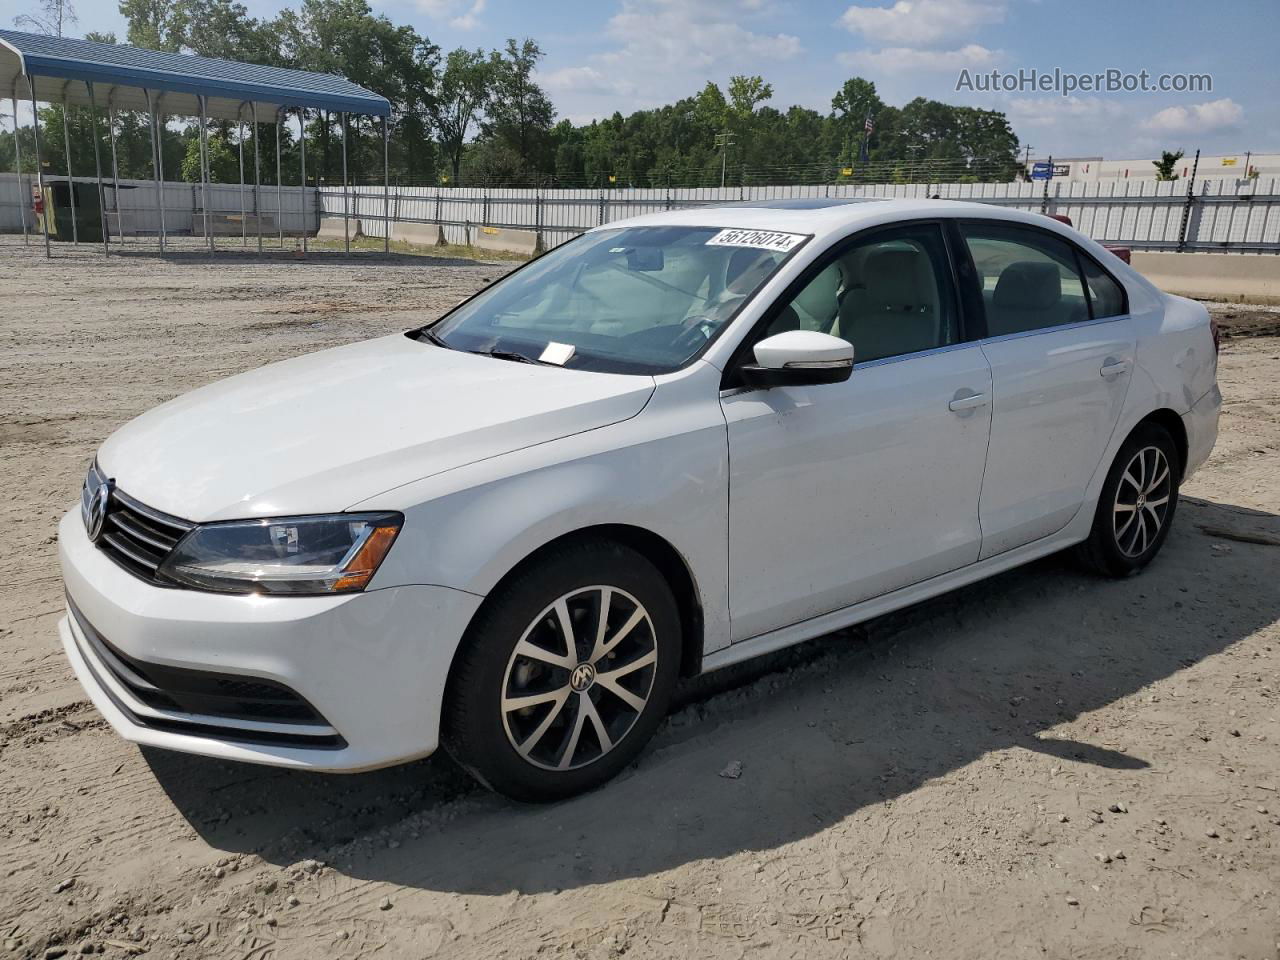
[(181, 700)]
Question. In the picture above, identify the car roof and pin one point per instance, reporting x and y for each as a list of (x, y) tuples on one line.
[(821, 216), (798, 203)]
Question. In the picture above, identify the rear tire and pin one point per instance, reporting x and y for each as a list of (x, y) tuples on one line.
[(1136, 505), (545, 701)]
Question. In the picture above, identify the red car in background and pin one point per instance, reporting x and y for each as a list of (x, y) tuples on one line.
[(1124, 253)]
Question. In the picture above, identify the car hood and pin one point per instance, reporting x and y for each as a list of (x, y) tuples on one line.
[(321, 432)]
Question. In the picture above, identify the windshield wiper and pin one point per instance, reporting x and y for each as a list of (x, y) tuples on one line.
[(512, 355), (426, 333)]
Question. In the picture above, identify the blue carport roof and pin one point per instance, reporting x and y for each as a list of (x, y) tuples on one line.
[(60, 66)]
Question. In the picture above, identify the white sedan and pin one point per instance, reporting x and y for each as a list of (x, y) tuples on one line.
[(671, 444)]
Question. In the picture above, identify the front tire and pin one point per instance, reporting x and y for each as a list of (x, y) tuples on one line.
[(565, 673), (1136, 506)]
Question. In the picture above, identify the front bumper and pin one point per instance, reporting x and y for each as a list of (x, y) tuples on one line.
[(373, 665)]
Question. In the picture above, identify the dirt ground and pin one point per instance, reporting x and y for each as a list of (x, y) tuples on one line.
[(1043, 765)]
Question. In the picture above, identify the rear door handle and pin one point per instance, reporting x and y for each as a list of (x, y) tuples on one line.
[(960, 404), (1113, 368)]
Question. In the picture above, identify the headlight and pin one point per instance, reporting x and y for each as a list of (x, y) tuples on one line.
[(337, 553)]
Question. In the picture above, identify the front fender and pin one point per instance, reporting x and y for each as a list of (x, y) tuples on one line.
[(664, 471)]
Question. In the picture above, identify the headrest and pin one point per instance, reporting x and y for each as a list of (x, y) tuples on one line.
[(896, 278), (818, 298), (1028, 285), (744, 268)]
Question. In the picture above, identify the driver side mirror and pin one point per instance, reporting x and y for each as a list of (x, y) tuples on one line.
[(799, 358)]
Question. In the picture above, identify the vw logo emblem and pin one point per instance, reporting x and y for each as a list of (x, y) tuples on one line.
[(583, 676), (97, 512)]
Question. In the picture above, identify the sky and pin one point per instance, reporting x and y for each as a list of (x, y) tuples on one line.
[(622, 55)]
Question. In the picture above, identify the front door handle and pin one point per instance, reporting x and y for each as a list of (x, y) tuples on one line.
[(1113, 368), (960, 404)]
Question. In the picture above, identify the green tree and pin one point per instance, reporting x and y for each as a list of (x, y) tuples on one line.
[(855, 101), (53, 18), (343, 37), (519, 113), (747, 93), (224, 159), (463, 93), (154, 24), (223, 28), (1166, 166)]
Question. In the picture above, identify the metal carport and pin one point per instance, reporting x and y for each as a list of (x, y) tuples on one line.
[(83, 73)]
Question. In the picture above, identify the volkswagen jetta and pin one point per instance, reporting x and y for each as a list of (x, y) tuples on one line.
[(670, 444)]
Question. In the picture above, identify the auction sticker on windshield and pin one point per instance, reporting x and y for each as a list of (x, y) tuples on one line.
[(759, 239)]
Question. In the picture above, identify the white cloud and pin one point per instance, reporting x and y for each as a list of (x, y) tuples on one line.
[(471, 19), (910, 60), (1082, 127), (1058, 111), (1197, 118), (585, 80), (922, 23), (461, 16), (689, 35), (656, 51)]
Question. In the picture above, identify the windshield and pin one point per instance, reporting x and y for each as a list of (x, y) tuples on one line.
[(630, 300)]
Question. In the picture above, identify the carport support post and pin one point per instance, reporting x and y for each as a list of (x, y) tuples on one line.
[(257, 174), (346, 215), (386, 188), (71, 184), (115, 168), (279, 181), (97, 169), (204, 173), (244, 226), (155, 166), (164, 227), (17, 157), (302, 151), (35, 126)]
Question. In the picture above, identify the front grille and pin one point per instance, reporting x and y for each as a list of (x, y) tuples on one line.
[(183, 700), (135, 536)]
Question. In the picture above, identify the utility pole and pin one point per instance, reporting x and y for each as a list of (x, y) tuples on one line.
[(1026, 164), (724, 141)]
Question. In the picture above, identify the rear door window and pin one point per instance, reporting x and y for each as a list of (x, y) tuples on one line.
[(1030, 279)]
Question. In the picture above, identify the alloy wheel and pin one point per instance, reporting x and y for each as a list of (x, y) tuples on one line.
[(1142, 501), (579, 678)]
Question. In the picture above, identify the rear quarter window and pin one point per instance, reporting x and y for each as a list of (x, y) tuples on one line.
[(1105, 292)]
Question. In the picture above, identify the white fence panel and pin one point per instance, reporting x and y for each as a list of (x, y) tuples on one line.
[(139, 205), (1223, 215)]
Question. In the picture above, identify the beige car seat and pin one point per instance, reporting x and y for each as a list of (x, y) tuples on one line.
[(893, 308)]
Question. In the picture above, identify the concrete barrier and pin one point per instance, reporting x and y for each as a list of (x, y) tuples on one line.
[(331, 229), (1234, 277), (417, 234), (228, 224), (509, 241)]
